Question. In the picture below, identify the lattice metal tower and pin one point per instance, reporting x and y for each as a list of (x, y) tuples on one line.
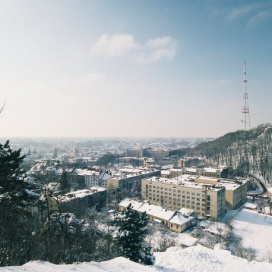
[(245, 109)]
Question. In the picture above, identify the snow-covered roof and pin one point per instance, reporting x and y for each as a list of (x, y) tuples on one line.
[(193, 170), (180, 219), (184, 180), (86, 172), (251, 206), (134, 203), (156, 211), (81, 193), (186, 211), (211, 170)]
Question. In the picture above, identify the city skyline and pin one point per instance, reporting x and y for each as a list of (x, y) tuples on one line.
[(133, 68)]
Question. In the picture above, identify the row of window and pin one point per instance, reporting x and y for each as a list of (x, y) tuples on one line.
[(170, 190)]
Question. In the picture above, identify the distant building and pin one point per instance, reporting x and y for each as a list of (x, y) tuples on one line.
[(158, 153), (174, 220), (134, 153)]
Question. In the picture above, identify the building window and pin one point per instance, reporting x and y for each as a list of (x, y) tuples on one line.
[(208, 197)]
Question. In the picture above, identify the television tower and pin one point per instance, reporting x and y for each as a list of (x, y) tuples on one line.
[(245, 109)]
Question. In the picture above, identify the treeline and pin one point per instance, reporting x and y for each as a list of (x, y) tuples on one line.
[(34, 227), (244, 151)]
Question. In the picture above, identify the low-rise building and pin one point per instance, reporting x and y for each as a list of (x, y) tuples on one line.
[(206, 171), (174, 220)]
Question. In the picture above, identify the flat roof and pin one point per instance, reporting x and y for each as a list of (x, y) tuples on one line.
[(184, 181)]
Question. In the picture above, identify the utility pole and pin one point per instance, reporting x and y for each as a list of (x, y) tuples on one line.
[(245, 109)]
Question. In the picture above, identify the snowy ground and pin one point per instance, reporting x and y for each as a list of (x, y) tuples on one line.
[(175, 259), (255, 230)]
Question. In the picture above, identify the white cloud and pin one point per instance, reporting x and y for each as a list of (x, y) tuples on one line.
[(258, 17), (115, 45), (124, 45), (155, 55), (239, 12), (159, 42)]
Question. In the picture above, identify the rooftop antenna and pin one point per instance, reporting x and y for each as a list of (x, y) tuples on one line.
[(245, 109)]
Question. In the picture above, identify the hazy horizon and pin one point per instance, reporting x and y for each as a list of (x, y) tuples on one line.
[(133, 69)]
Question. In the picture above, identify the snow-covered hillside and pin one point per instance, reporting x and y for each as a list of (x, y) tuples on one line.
[(174, 259), (255, 229)]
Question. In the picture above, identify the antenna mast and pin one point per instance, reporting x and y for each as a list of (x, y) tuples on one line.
[(245, 109)]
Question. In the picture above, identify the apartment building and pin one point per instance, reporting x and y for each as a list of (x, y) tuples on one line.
[(126, 182), (79, 201), (93, 178), (235, 193), (205, 199)]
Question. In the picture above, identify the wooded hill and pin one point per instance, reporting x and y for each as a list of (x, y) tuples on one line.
[(245, 151)]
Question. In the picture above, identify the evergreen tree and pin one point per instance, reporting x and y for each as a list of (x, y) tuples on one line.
[(65, 185), (15, 200), (131, 231)]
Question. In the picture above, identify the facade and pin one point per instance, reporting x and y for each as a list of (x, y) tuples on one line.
[(126, 182), (207, 172), (236, 190), (158, 153), (205, 199), (92, 178), (134, 153), (174, 220), (79, 201)]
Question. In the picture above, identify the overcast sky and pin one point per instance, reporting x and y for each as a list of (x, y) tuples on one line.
[(133, 68)]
